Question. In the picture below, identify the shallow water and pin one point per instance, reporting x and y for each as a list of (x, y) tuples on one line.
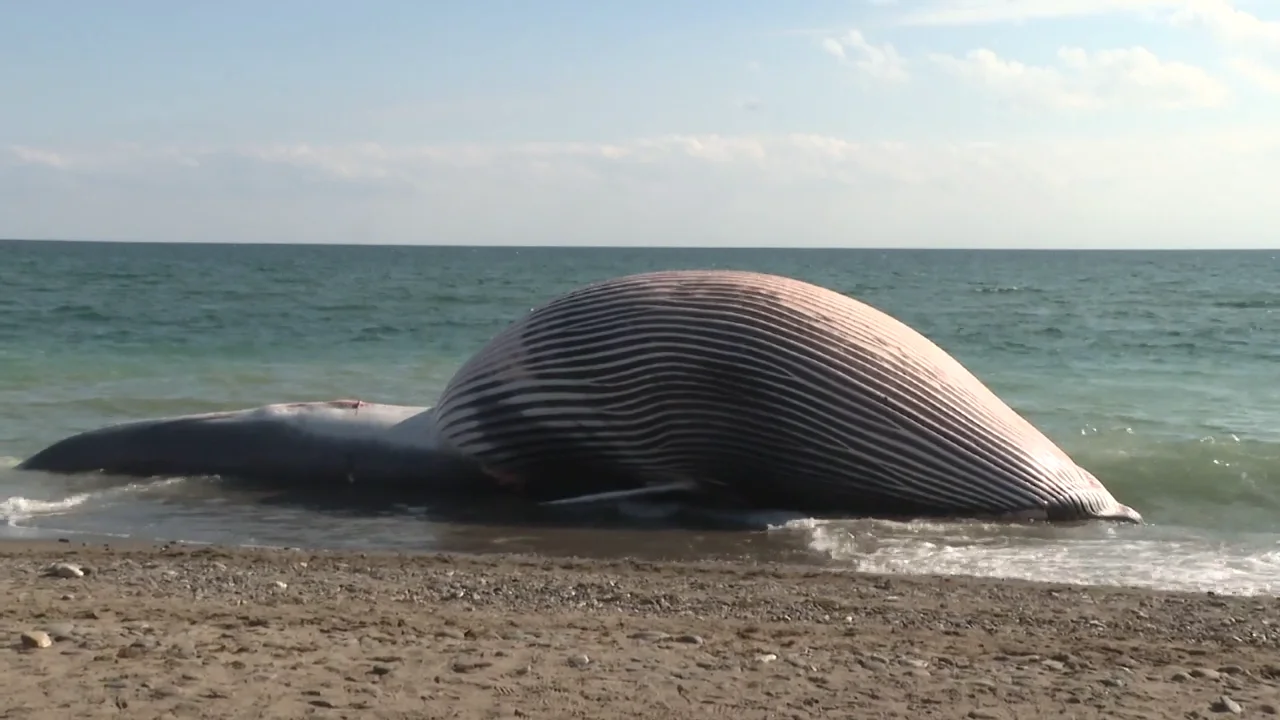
[(1154, 370)]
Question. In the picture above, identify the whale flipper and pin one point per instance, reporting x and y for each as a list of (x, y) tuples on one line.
[(673, 488)]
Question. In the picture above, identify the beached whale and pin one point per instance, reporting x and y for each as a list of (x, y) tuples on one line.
[(751, 389)]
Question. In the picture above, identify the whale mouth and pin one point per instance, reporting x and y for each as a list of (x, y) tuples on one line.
[(1123, 513), (1088, 506), (1109, 512)]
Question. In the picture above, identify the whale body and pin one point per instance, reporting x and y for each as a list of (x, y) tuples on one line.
[(738, 387)]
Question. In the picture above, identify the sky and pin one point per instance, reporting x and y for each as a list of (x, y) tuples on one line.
[(907, 123)]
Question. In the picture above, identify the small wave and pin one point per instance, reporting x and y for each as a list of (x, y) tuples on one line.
[(1001, 289), (1250, 303), (79, 312), (1096, 554), (377, 333), (1216, 482), (16, 509)]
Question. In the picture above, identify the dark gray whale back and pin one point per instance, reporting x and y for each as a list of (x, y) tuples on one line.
[(767, 388)]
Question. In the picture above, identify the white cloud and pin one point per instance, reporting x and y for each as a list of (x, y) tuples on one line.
[(879, 62), (1126, 77), (1221, 17), (35, 156), (1263, 76), (1226, 21), (1204, 189), (984, 12)]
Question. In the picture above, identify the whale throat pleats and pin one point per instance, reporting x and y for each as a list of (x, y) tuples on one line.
[(769, 388)]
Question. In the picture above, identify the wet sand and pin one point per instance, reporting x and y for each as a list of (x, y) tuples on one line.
[(154, 631)]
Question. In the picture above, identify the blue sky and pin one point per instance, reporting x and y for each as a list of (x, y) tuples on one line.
[(1035, 123)]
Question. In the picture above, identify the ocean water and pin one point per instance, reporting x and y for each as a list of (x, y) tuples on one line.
[(1159, 372)]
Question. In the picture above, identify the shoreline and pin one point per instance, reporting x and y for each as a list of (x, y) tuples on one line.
[(213, 631)]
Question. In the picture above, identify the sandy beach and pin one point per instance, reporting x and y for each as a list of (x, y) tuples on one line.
[(153, 631)]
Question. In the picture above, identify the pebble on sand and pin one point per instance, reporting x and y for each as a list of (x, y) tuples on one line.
[(1226, 704), (436, 635), (35, 639), (64, 570)]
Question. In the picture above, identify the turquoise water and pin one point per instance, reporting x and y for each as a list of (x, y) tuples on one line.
[(1160, 372)]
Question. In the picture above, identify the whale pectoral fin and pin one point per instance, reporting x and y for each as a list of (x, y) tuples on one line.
[(682, 486)]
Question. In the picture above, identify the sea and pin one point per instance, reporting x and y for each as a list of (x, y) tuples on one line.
[(1157, 371)]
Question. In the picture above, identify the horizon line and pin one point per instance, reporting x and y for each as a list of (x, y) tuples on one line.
[(552, 246)]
